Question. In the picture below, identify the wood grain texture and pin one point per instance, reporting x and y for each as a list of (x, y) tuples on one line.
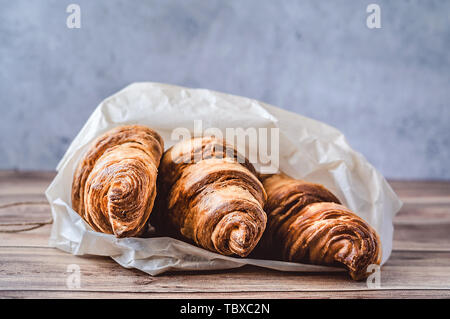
[(418, 268), (31, 268), (358, 294)]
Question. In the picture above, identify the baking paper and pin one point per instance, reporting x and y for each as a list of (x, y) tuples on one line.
[(308, 150)]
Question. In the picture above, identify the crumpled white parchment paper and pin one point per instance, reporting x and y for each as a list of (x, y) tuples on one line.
[(309, 150)]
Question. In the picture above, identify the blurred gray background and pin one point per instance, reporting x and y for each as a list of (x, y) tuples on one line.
[(387, 89)]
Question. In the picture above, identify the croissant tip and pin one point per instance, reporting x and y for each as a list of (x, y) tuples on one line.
[(241, 241), (356, 276)]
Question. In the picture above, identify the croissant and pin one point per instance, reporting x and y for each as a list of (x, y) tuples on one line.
[(114, 185), (210, 195), (307, 224)]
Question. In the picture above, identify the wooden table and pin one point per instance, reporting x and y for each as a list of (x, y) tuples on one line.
[(419, 265)]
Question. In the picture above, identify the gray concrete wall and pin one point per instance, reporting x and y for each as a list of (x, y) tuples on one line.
[(387, 89)]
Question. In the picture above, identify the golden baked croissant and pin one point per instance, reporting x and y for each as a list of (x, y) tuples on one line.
[(211, 196), (307, 224), (114, 185)]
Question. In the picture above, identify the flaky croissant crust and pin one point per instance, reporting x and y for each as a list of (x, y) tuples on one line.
[(211, 196), (114, 185), (306, 223)]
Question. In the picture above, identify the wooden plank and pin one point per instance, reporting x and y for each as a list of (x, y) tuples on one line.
[(422, 227), (14, 182), (36, 181), (426, 237), (391, 294), (431, 237), (423, 213), (415, 189), (411, 213), (24, 214), (46, 269), (30, 211), (419, 266), (6, 199), (417, 227), (32, 238)]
